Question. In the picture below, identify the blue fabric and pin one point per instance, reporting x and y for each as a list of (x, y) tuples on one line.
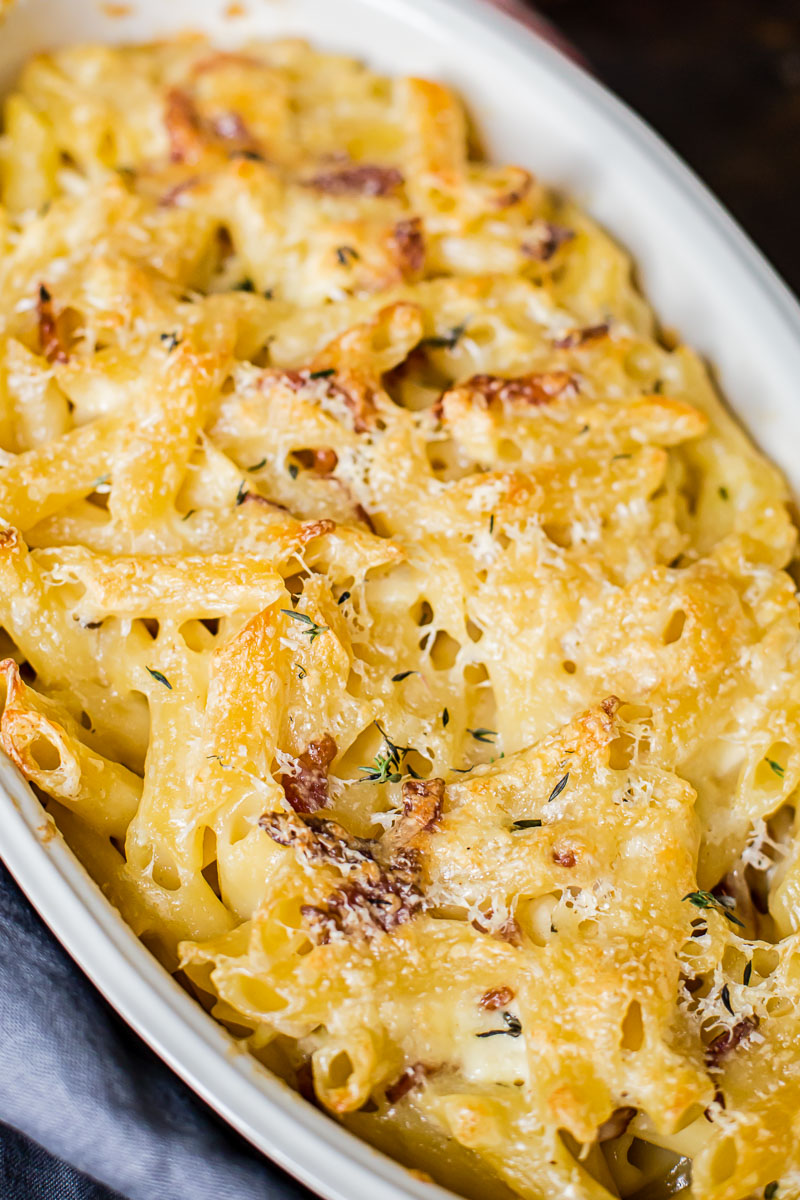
[(93, 1099), (28, 1172)]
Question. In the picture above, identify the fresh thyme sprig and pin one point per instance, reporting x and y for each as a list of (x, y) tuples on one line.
[(388, 762), (312, 628), (775, 767)]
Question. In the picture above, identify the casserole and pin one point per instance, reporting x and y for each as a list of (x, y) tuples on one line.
[(565, 169)]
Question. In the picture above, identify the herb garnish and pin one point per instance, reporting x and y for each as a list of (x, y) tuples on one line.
[(294, 470), (313, 630), (722, 904), (257, 466), (463, 770), (449, 340), (388, 761), (242, 493), (445, 718), (345, 255), (724, 494), (244, 285), (491, 523), (771, 1190), (748, 971), (725, 997), (558, 789), (159, 677), (301, 671), (190, 513), (483, 735), (775, 767), (401, 675), (170, 340), (527, 823), (326, 374), (513, 1027), (252, 155), (344, 596)]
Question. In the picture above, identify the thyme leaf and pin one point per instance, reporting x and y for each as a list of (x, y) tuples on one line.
[(345, 596), (159, 677), (771, 1190), (483, 735), (401, 675), (775, 767), (449, 340), (721, 904), (257, 466), (527, 823), (513, 1027), (326, 374), (748, 971), (558, 789), (294, 470), (445, 718), (725, 997), (242, 494), (345, 255), (170, 341)]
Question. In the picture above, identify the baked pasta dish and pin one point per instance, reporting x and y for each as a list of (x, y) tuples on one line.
[(396, 624)]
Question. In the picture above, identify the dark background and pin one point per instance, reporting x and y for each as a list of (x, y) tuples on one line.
[(720, 80)]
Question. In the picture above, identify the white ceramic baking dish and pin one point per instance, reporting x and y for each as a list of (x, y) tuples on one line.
[(703, 276)]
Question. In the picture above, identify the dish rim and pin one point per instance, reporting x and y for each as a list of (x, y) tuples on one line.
[(337, 1164)]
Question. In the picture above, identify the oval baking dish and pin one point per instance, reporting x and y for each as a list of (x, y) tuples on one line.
[(704, 279)]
